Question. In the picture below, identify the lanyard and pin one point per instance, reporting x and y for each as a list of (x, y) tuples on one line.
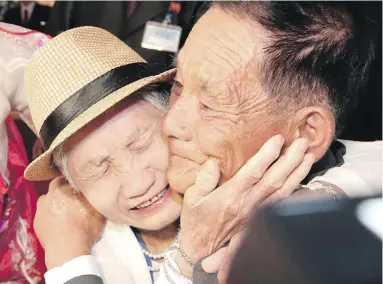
[(143, 245), (174, 9)]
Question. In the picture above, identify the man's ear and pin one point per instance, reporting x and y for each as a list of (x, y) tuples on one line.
[(317, 125)]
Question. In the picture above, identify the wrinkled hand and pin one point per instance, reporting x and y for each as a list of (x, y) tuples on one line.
[(212, 216), (66, 224)]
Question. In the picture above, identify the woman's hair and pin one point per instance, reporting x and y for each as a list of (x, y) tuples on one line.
[(157, 98)]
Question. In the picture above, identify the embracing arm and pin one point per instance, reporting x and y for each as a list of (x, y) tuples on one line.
[(86, 279), (67, 227), (82, 269)]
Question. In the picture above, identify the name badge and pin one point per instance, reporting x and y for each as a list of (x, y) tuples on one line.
[(161, 37)]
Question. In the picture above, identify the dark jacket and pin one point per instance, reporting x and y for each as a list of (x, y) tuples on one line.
[(112, 16), (37, 21)]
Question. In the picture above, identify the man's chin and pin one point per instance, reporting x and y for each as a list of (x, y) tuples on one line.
[(180, 179)]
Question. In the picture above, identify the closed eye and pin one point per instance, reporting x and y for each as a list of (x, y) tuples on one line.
[(144, 142), (177, 84), (176, 88), (139, 147), (202, 106), (96, 171)]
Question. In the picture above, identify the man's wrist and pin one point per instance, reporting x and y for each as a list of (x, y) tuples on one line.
[(183, 265)]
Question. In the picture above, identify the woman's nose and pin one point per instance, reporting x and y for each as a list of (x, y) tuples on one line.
[(137, 184)]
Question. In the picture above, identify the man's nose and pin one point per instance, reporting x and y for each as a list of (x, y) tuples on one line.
[(175, 123)]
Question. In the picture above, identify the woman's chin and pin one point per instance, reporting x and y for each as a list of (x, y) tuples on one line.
[(157, 220)]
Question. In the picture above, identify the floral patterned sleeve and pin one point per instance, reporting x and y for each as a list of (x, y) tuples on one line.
[(21, 256)]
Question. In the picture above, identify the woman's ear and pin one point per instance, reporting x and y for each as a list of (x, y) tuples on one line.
[(317, 125)]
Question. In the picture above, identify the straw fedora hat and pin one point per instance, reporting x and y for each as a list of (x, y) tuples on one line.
[(77, 76)]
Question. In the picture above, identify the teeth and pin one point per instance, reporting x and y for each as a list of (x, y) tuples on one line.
[(161, 194), (153, 199)]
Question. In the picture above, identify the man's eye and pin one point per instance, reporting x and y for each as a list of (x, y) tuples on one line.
[(202, 106), (177, 84)]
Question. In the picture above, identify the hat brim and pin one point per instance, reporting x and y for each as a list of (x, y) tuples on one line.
[(42, 168)]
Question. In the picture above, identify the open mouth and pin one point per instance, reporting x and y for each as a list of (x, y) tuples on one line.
[(157, 199)]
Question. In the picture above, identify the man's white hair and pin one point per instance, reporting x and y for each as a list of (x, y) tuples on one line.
[(158, 99)]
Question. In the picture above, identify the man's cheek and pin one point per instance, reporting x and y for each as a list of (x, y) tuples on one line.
[(210, 142), (233, 157)]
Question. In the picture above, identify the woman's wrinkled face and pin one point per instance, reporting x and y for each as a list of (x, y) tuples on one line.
[(118, 162)]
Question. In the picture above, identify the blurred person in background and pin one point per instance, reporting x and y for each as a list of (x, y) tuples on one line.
[(365, 123), (5, 6), (21, 256), (128, 21), (28, 14)]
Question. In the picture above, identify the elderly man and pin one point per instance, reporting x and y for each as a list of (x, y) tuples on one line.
[(274, 67), (287, 68), (243, 83)]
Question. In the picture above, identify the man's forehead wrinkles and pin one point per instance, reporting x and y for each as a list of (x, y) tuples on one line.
[(206, 80), (230, 54), (214, 71)]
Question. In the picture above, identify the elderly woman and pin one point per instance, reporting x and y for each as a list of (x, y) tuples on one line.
[(99, 111), (20, 253)]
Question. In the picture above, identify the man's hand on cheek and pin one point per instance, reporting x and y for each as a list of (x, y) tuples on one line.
[(212, 216), (66, 224), (181, 173)]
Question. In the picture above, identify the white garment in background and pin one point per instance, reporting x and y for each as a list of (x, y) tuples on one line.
[(361, 173)]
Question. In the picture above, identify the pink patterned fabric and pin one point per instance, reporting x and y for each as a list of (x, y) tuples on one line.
[(33, 39), (21, 256)]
